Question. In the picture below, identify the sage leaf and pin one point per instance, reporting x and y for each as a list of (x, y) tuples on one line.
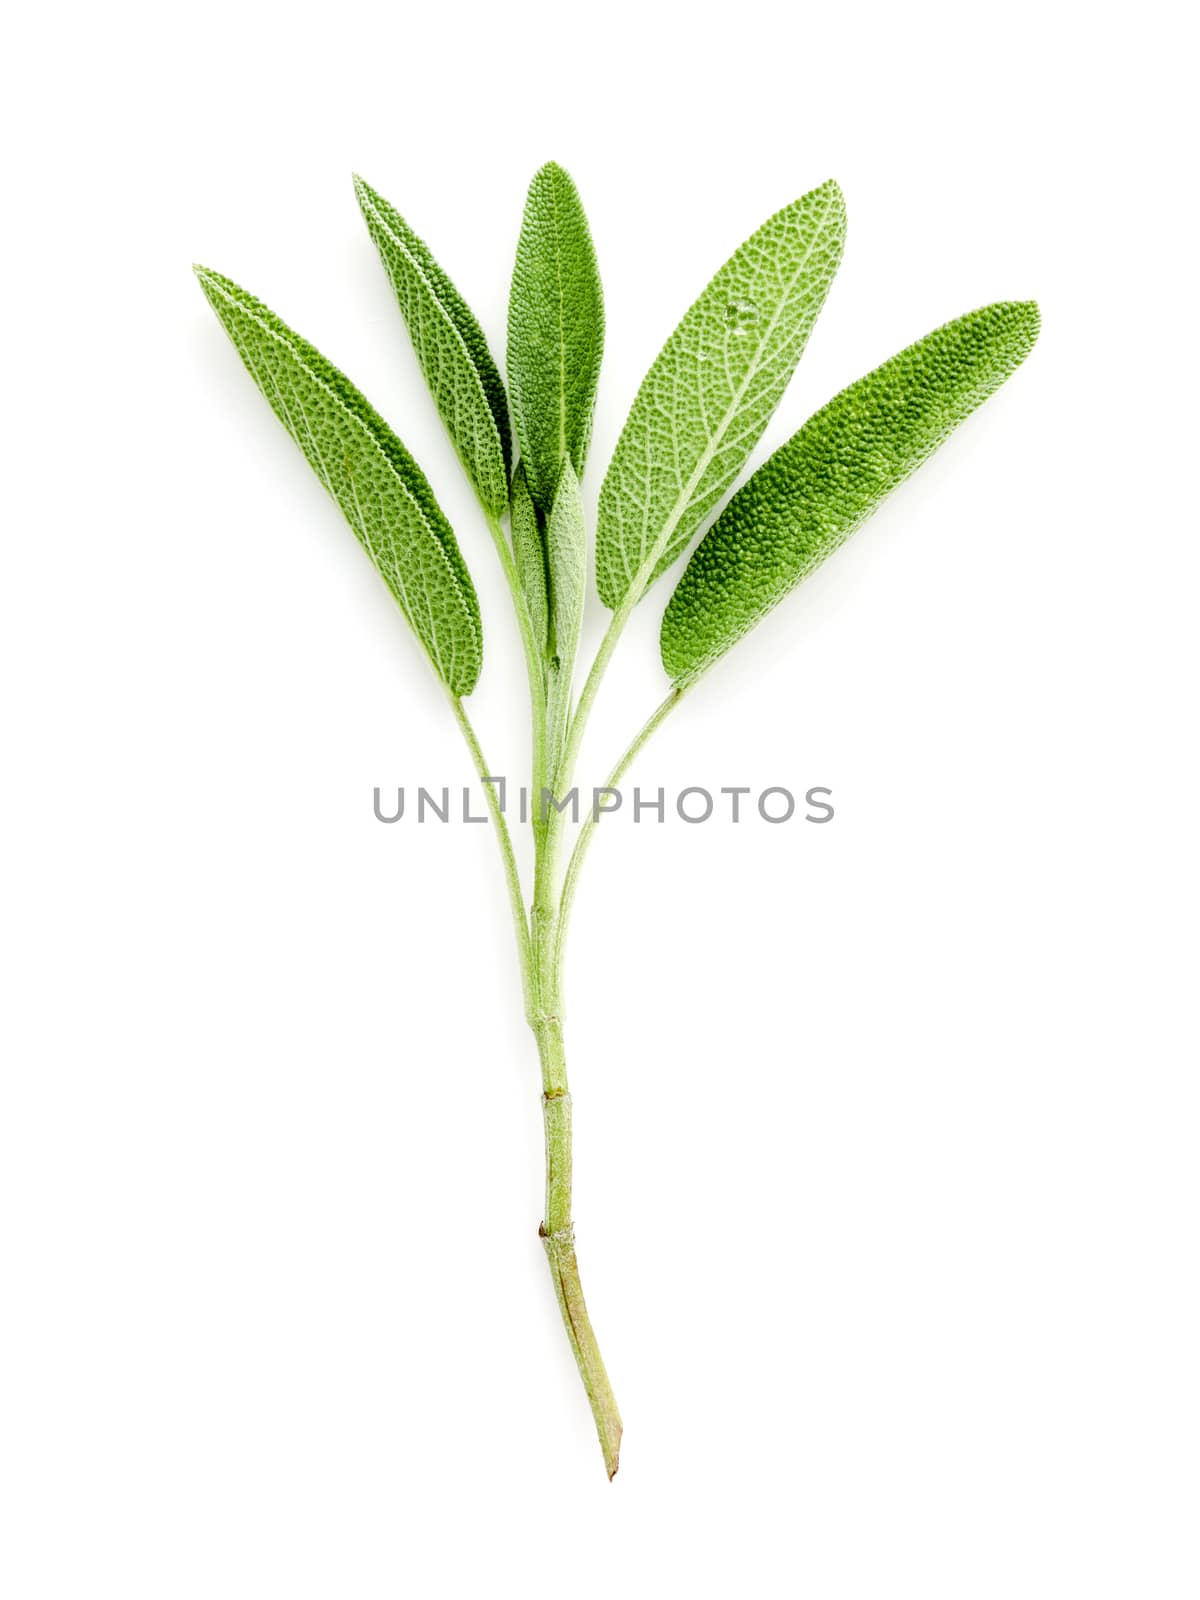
[(711, 391), (555, 333), (529, 556), (831, 475), (364, 466), (566, 561), (451, 348)]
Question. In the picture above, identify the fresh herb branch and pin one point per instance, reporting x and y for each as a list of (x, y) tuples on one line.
[(697, 416)]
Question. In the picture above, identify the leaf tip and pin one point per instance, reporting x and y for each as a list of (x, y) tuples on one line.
[(369, 200), (553, 172), (212, 283), (1029, 320), (831, 192), (823, 207), (1021, 321)]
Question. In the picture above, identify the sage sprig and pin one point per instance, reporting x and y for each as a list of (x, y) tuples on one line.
[(696, 418)]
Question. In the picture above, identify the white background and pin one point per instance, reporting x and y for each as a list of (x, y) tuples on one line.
[(886, 1157)]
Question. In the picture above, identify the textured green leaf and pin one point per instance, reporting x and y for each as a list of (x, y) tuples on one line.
[(555, 332), (370, 474), (710, 393), (529, 555), (828, 478), (566, 562), (450, 345)]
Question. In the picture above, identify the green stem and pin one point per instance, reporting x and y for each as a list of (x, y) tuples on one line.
[(588, 828), (549, 923), (587, 695), (533, 655), (557, 1230), (539, 944), (511, 874), (616, 627)]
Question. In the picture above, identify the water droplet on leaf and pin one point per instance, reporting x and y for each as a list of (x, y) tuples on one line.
[(740, 316)]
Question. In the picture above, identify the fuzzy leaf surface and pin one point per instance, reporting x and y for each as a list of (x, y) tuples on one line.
[(364, 466), (710, 393), (555, 332), (566, 562), (529, 557), (831, 475), (451, 348)]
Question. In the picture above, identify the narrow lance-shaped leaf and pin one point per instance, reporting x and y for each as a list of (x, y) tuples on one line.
[(828, 478), (529, 556), (555, 333), (710, 393), (370, 474), (451, 347), (566, 562)]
